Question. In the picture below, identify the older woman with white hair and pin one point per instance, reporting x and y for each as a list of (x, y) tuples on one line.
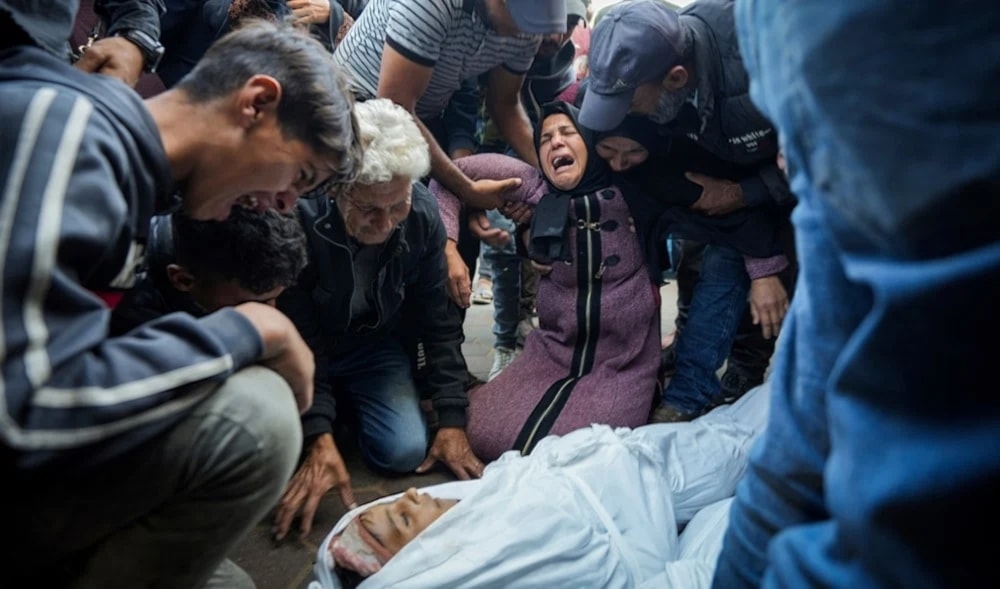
[(374, 285)]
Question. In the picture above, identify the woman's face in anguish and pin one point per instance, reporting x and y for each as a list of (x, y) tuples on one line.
[(562, 151), (621, 153)]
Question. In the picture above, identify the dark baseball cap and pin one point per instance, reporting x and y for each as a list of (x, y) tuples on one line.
[(538, 17), (636, 42)]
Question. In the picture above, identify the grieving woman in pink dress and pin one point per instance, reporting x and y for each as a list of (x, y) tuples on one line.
[(595, 355)]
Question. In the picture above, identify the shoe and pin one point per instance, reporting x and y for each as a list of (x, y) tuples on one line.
[(502, 357), (666, 413), (483, 293), (736, 384)]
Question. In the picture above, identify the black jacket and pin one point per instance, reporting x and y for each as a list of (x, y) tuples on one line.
[(411, 302), (727, 122)]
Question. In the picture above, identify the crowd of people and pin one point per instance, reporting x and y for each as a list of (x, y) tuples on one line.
[(231, 230)]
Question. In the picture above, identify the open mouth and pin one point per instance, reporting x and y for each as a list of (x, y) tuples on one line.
[(562, 161)]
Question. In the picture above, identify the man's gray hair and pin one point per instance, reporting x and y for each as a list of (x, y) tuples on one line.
[(393, 144)]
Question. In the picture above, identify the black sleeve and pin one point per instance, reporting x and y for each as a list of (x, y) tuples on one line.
[(297, 303), (326, 33), (121, 15)]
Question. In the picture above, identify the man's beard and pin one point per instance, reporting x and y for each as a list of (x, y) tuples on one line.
[(669, 105)]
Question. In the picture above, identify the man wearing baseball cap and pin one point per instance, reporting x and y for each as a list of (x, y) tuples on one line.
[(683, 70)]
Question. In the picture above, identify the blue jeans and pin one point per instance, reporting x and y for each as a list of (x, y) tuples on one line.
[(379, 381), (880, 466), (505, 265), (717, 304)]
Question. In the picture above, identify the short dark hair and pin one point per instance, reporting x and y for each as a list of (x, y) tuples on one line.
[(261, 251), (315, 106)]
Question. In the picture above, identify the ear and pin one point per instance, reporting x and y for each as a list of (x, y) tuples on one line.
[(180, 278), (260, 95), (676, 78)]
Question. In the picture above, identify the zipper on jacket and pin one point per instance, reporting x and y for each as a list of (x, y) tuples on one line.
[(591, 227)]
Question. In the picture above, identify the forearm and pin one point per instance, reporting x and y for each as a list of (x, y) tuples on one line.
[(443, 168)]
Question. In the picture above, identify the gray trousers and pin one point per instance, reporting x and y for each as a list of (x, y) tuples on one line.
[(167, 517)]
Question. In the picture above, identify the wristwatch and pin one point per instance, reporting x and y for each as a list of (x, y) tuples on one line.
[(149, 46)]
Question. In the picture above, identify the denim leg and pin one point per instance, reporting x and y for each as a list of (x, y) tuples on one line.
[(484, 264), (378, 378), (717, 304), (880, 466), (506, 266)]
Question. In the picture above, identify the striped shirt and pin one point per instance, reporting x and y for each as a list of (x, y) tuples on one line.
[(448, 35)]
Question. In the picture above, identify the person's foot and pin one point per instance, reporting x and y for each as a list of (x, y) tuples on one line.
[(482, 294), (735, 384), (667, 413), (502, 357)]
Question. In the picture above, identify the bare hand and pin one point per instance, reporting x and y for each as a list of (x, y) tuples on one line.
[(768, 304), (451, 446), (285, 352), (718, 197), (113, 56), (459, 280), (322, 470), (518, 212), (487, 194), (540, 268), (344, 28), (309, 12), (480, 226)]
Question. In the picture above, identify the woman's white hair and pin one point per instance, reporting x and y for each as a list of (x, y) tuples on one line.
[(393, 144)]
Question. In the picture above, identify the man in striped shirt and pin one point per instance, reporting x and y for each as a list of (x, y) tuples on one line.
[(417, 54), (143, 459)]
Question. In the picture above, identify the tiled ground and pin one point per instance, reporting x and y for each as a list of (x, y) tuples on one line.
[(288, 565)]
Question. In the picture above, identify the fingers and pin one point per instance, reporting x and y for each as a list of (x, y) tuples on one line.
[(509, 184), (495, 237), (460, 291), (542, 269), (347, 496), (767, 326), (426, 464), (91, 60), (308, 512), (287, 508), (695, 177)]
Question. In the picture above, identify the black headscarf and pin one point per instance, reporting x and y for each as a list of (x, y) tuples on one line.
[(549, 220)]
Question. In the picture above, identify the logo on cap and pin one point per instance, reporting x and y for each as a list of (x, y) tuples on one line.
[(620, 85)]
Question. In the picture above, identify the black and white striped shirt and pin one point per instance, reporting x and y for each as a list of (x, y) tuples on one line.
[(448, 35)]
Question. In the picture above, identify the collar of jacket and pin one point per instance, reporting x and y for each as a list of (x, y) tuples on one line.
[(706, 66), (329, 225)]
